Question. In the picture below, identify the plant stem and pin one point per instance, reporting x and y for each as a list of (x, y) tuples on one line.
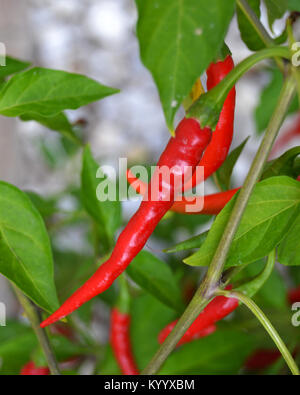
[(255, 22), (213, 277), (33, 315), (208, 107), (267, 325), (259, 28)]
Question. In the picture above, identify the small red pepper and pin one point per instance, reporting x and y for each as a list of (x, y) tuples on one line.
[(219, 308), (212, 204), (182, 153), (120, 342), (31, 370), (218, 148)]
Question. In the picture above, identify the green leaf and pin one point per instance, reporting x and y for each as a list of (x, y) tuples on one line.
[(178, 39), (194, 242), (224, 173), (284, 165), (107, 214), (58, 123), (149, 317), (276, 10), (223, 352), (46, 207), (109, 365), (248, 33), (47, 92), (12, 66), (63, 348), (25, 251), (269, 213), (16, 344), (268, 101), (294, 5), (156, 277), (289, 248)]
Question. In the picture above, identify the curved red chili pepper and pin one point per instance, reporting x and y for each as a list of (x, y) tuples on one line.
[(31, 370), (218, 148), (182, 153), (212, 204), (216, 310), (120, 342)]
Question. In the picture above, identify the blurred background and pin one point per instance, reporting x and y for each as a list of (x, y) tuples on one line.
[(97, 38)]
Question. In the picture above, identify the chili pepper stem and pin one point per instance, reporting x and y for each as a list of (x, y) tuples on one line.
[(208, 107), (33, 315), (267, 325), (212, 280)]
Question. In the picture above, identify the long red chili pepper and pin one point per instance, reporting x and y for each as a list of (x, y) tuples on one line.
[(212, 204), (182, 153), (31, 370), (216, 310), (120, 342), (218, 148)]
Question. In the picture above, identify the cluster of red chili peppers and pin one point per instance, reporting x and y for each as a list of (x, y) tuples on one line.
[(192, 146)]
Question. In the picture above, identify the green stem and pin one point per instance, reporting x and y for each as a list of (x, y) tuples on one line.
[(267, 325), (255, 22), (212, 280), (208, 107), (33, 314)]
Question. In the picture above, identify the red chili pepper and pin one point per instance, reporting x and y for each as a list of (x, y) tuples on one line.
[(216, 310), (184, 151), (261, 359), (212, 204), (286, 137), (294, 295), (31, 370), (218, 149), (120, 342)]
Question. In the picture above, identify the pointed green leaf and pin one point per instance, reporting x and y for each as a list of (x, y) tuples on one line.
[(276, 10), (284, 165), (107, 214), (289, 248), (248, 33), (48, 92), (178, 39), (194, 242), (269, 214), (12, 66), (223, 352), (25, 251)]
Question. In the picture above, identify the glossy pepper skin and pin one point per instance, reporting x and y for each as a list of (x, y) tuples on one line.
[(212, 204), (183, 151), (120, 342), (218, 149), (216, 310), (31, 370)]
